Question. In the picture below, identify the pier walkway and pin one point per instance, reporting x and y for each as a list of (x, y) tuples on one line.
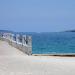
[(7, 50), (15, 62)]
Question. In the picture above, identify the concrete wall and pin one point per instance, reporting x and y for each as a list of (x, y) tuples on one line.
[(25, 46)]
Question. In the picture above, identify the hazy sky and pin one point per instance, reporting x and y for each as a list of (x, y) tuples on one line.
[(37, 15)]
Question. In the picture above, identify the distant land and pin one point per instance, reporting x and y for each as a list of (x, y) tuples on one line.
[(6, 31), (9, 31), (70, 31)]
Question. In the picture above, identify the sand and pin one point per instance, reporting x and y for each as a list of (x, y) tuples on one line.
[(15, 62)]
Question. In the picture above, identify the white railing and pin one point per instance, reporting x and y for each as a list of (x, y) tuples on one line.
[(22, 42)]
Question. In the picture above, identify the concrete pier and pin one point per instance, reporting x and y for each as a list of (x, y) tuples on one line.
[(21, 42), (15, 62)]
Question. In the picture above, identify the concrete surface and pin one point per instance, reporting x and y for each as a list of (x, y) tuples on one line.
[(15, 62)]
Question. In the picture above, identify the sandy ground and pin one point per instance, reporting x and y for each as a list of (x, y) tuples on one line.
[(15, 62)]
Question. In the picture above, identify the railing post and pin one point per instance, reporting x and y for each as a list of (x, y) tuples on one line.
[(29, 43), (12, 37), (17, 38), (24, 40), (29, 40)]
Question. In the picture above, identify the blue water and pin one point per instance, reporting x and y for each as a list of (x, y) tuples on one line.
[(53, 43), (49, 43)]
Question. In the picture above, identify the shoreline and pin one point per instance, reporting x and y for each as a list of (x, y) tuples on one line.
[(60, 55)]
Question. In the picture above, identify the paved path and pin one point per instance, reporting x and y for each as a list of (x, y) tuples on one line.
[(7, 50), (14, 62)]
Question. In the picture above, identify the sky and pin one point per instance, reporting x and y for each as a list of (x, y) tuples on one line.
[(37, 15)]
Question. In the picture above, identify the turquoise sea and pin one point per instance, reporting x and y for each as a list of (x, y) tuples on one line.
[(54, 42)]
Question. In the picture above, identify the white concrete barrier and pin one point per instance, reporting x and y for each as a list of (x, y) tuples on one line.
[(25, 46)]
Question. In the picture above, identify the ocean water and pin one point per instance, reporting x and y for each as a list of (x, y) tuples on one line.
[(50, 43)]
